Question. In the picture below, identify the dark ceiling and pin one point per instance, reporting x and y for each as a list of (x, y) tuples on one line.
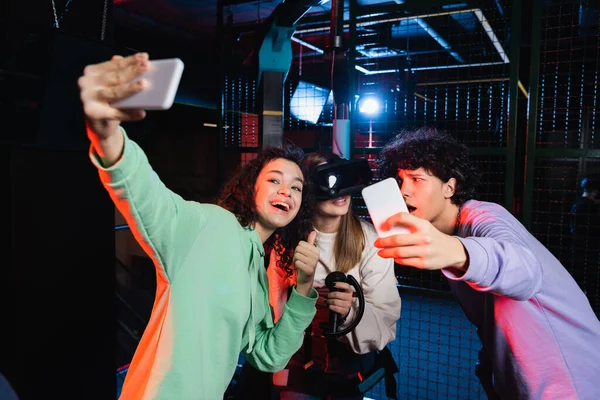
[(191, 24), (413, 35)]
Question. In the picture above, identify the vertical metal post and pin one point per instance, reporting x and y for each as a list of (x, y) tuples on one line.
[(270, 109), (274, 60), (532, 116), (219, 93), (352, 73), (336, 26), (339, 72), (513, 106)]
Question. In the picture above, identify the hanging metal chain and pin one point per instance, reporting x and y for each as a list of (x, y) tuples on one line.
[(55, 17), (103, 29), (300, 62)]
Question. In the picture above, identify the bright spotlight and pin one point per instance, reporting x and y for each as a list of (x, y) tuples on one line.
[(369, 105)]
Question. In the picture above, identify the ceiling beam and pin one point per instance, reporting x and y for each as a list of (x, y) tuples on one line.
[(405, 9)]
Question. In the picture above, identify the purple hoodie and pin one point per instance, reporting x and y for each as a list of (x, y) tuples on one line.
[(536, 324)]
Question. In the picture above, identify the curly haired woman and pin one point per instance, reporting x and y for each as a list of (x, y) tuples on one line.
[(212, 293)]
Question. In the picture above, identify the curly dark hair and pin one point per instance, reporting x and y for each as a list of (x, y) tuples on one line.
[(238, 196), (435, 151)]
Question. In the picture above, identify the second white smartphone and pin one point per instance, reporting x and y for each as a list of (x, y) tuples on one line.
[(384, 199), (163, 80)]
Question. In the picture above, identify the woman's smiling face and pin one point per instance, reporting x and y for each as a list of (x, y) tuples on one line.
[(278, 195)]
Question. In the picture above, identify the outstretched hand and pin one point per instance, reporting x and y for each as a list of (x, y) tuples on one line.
[(101, 86), (108, 82), (306, 257), (425, 247)]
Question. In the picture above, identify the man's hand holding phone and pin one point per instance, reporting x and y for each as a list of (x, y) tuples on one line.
[(409, 240), (425, 247), (383, 199)]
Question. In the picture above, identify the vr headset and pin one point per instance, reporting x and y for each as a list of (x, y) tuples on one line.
[(341, 178)]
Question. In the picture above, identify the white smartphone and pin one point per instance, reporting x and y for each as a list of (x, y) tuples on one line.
[(163, 78), (384, 199)]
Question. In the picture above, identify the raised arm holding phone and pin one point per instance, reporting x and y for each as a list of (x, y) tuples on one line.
[(212, 293)]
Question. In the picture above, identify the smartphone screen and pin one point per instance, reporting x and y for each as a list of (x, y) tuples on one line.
[(384, 199)]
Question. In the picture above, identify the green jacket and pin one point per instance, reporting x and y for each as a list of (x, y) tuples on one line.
[(211, 295)]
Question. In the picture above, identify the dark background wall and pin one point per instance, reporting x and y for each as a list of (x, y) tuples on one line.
[(57, 299)]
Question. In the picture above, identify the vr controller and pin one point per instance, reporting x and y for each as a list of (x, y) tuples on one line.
[(341, 178)]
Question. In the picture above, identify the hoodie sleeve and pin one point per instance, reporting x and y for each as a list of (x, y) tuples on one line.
[(500, 255), (162, 222), (273, 347)]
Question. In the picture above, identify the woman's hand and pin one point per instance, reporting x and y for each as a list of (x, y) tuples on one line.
[(340, 301), (306, 257)]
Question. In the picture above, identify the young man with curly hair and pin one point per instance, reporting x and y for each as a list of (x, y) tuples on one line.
[(536, 325), (212, 294)]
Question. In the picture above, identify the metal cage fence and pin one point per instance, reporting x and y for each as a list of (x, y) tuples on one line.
[(563, 131), (448, 69), (451, 69)]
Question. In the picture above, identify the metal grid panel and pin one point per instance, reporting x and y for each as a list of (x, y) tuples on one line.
[(493, 180), (436, 346), (310, 105), (569, 115), (434, 351), (555, 183), (556, 189), (475, 113), (240, 121), (460, 86), (447, 68), (453, 75), (566, 143)]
